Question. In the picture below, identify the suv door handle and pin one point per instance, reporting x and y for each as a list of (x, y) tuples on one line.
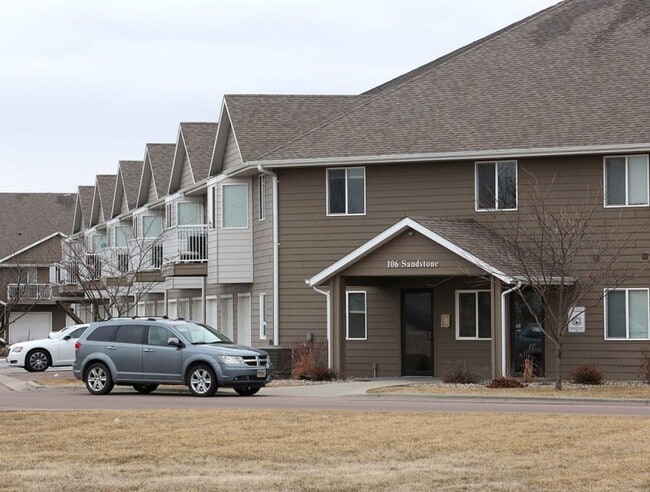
[(148, 350), (111, 347)]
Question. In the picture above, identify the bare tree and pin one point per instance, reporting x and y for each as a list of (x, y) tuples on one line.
[(113, 280), (568, 252)]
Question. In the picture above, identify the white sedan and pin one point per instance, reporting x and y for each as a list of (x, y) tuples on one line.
[(38, 355)]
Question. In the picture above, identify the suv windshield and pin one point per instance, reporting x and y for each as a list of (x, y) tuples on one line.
[(198, 334)]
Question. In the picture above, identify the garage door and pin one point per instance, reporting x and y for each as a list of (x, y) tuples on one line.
[(29, 326)]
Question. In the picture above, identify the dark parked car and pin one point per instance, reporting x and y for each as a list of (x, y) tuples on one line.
[(147, 352)]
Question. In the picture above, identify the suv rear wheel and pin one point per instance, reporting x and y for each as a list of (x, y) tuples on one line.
[(98, 379), (202, 381)]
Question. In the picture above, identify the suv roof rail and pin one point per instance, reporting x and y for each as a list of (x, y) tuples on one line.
[(148, 318)]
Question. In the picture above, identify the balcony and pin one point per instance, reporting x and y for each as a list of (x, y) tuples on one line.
[(146, 254), (114, 262), (186, 244), (32, 292)]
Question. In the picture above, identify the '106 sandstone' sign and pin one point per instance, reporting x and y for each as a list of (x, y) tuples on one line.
[(412, 264)]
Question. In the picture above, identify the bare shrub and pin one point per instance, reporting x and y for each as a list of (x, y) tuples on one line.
[(505, 383), (529, 370), (460, 373), (309, 361), (587, 374)]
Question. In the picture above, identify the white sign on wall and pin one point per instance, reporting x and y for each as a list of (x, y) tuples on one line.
[(578, 321)]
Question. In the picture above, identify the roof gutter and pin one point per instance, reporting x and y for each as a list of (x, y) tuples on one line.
[(276, 270), (443, 156)]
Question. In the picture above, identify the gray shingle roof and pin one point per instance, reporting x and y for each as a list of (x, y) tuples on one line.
[(161, 157), (85, 198), (29, 217), (573, 75), (131, 172), (262, 122), (106, 188), (199, 142)]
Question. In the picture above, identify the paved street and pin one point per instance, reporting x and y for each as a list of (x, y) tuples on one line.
[(339, 396)]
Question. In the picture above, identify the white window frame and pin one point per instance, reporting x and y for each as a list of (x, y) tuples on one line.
[(262, 320), (212, 207), (261, 197), (170, 216), (476, 320), (496, 186), (347, 314), (247, 206), (327, 192), (627, 194), (627, 314)]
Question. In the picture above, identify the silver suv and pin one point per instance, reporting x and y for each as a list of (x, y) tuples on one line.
[(146, 352)]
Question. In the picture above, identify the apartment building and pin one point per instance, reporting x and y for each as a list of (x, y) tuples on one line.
[(377, 223)]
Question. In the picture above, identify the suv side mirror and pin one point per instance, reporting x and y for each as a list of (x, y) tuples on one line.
[(174, 341)]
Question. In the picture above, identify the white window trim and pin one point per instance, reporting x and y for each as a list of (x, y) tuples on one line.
[(327, 192), (261, 197), (247, 206), (627, 197), (262, 317), (627, 314), (347, 314), (496, 187), (457, 314)]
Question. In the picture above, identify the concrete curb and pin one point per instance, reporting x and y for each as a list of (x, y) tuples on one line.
[(18, 384)]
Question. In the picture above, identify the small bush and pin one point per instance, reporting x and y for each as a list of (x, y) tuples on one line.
[(505, 383), (4, 352), (460, 373), (644, 368), (529, 370), (309, 361), (587, 374)]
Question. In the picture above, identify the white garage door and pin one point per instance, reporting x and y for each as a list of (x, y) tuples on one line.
[(29, 326)]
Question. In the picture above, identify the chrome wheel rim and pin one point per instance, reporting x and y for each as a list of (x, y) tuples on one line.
[(97, 379), (201, 381), (38, 361)]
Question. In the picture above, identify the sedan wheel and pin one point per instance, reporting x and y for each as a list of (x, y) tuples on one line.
[(37, 361), (98, 379), (202, 381)]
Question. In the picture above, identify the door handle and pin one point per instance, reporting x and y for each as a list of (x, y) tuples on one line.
[(111, 347), (148, 350)]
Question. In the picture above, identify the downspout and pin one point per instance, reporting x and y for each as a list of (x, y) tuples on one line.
[(517, 286), (329, 324), (276, 242)]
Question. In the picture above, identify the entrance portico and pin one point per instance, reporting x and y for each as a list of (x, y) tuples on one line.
[(422, 295)]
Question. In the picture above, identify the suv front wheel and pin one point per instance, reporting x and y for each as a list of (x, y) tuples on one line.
[(98, 379), (202, 380)]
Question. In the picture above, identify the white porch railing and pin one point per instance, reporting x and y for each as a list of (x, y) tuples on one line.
[(186, 244), (146, 254), (115, 261), (28, 291)]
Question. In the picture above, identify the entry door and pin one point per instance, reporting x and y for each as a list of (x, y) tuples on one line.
[(244, 319), (417, 333), (526, 336)]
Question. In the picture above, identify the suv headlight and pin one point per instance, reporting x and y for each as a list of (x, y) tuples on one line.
[(231, 360)]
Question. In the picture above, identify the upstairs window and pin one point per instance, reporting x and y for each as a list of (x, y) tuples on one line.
[(261, 196), (346, 191), (626, 181), (496, 185), (189, 213), (28, 275), (121, 235), (152, 226), (234, 206)]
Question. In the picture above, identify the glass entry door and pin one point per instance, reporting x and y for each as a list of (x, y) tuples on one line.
[(417, 333), (526, 335)]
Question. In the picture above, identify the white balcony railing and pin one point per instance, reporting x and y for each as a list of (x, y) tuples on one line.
[(186, 244), (28, 291), (115, 261), (146, 254)]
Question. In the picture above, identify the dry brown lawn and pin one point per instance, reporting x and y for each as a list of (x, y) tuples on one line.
[(310, 450)]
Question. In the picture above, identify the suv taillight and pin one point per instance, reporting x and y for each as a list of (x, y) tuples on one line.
[(77, 345)]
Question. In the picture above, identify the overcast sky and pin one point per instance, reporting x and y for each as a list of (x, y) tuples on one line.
[(85, 84)]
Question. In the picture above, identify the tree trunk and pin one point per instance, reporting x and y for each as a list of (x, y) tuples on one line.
[(558, 367)]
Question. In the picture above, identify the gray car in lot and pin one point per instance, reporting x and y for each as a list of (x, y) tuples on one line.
[(147, 352)]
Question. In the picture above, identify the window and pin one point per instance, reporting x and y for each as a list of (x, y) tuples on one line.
[(27, 275), (212, 207), (626, 314), (97, 242), (189, 213), (158, 335), (261, 196), (152, 226), (234, 207), (346, 191), (626, 181), (263, 316), (356, 322), (78, 332), (473, 315), (129, 334), (496, 185), (169, 215), (121, 235), (103, 334)]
